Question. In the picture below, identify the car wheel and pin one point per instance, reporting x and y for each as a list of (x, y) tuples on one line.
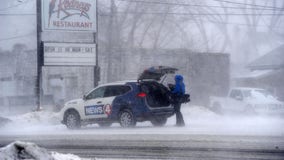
[(104, 124), (126, 118), (217, 108), (160, 121), (72, 120)]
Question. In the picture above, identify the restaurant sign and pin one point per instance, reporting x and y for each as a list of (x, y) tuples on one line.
[(69, 15)]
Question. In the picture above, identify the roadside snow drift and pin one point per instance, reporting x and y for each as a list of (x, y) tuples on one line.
[(32, 122), (198, 119), (4, 121), (24, 150), (36, 118)]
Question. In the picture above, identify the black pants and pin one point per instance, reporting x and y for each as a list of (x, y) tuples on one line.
[(179, 117)]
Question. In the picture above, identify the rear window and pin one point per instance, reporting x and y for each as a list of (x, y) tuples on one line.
[(116, 90), (153, 87), (235, 93)]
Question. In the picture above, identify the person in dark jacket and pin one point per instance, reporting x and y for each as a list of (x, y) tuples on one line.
[(178, 91)]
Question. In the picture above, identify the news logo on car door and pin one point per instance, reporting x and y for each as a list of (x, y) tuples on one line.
[(94, 110)]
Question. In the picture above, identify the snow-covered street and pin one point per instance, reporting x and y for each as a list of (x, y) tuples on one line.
[(199, 120), (204, 129)]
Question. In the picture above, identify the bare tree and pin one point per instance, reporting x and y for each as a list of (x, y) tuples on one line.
[(202, 27)]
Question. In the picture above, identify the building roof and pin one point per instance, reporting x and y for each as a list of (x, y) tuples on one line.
[(256, 74), (272, 60)]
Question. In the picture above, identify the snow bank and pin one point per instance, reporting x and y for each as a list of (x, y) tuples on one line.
[(4, 121), (197, 111), (33, 123), (39, 117), (200, 120), (59, 156), (24, 150)]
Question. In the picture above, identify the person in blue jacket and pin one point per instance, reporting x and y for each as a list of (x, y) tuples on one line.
[(178, 91)]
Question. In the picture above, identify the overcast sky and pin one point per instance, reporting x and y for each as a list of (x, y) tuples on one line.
[(21, 28)]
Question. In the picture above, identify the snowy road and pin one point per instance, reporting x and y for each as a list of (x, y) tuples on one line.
[(206, 136), (160, 146)]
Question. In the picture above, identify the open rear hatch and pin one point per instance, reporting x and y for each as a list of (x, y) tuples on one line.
[(156, 73), (157, 93)]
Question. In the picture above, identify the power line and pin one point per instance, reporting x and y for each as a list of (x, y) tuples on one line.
[(269, 8), (240, 24), (199, 14), (17, 37), (211, 21), (248, 4)]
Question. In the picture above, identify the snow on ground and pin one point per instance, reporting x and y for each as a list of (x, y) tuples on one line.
[(25, 150), (33, 122), (202, 121), (199, 120)]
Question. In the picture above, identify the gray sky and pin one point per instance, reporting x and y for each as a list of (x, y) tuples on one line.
[(24, 26)]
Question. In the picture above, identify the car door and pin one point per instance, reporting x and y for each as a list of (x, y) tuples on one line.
[(99, 103), (94, 103), (113, 92), (235, 103)]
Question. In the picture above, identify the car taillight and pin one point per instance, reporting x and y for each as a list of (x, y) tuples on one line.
[(141, 95), (107, 109)]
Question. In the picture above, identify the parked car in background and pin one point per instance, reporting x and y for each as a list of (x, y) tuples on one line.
[(127, 102), (248, 101)]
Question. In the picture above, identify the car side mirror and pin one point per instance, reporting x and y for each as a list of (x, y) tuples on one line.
[(84, 97)]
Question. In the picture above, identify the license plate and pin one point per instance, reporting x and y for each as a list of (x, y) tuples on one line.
[(94, 110)]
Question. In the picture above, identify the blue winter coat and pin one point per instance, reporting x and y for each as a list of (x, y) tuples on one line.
[(179, 88)]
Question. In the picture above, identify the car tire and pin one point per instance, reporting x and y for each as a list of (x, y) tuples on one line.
[(159, 121), (126, 119), (72, 120), (217, 108), (104, 124)]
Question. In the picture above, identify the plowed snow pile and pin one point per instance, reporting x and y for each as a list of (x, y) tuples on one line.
[(23, 150)]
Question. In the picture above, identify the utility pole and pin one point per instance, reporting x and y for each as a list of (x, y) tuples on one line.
[(96, 39), (39, 55), (110, 44)]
